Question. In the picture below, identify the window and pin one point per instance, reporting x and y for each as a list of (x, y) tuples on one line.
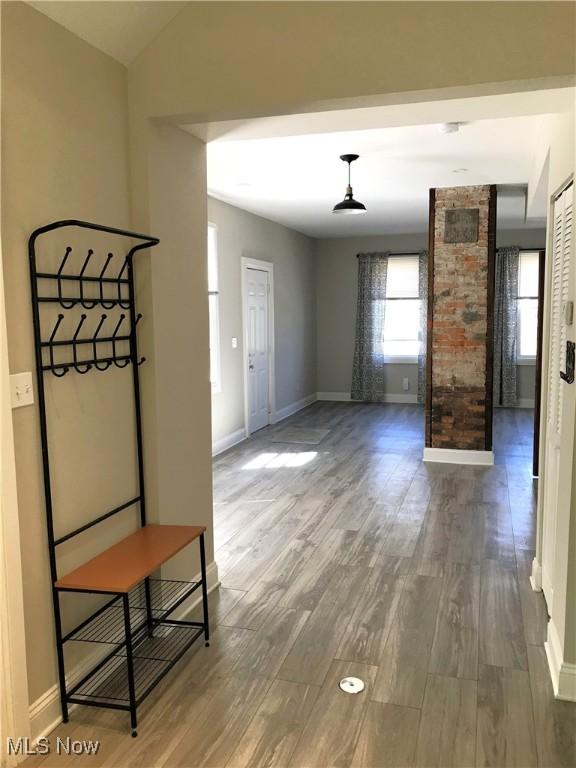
[(213, 307), (527, 326), (402, 313)]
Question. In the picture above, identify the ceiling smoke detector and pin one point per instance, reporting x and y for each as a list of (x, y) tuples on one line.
[(450, 127)]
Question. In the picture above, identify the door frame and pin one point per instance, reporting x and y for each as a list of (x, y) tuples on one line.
[(264, 266), (538, 380)]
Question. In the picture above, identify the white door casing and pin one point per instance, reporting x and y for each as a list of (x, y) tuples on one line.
[(257, 299)]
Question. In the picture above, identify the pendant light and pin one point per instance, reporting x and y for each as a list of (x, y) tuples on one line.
[(349, 205)]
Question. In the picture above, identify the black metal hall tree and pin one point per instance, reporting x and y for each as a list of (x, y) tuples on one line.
[(138, 637)]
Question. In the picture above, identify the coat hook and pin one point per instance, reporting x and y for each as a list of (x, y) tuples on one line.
[(100, 366), (125, 304), (105, 304), (63, 303), (55, 369), (86, 303), (117, 363), (136, 321), (88, 366)]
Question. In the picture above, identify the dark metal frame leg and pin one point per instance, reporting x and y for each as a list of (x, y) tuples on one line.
[(130, 666), (60, 652), (149, 619), (204, 592)]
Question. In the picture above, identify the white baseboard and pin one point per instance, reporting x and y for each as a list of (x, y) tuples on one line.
[(221, 445), (456, 456), (562, 673), (345, 397), (536, 576), (45, 714), (288, 410), (336, 396)]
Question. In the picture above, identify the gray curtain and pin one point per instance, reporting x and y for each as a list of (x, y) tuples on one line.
[(368, 368), (505, 323), (423, 294)]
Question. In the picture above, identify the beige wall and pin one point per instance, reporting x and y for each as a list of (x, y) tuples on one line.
[(174, 334), (64, 155), (268, 58), (337, 293), (294, 258)]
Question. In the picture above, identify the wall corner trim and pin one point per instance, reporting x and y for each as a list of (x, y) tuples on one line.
[(456, 456), (292, 408), (562, 673), (45, 714)]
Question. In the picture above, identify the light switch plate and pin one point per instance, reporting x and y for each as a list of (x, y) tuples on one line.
[(234, 342), (406, 384), (21, 389)]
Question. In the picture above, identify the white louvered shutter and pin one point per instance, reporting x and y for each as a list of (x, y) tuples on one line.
[(560, 279)]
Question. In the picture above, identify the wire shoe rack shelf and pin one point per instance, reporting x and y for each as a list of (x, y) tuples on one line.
[(85, 320)]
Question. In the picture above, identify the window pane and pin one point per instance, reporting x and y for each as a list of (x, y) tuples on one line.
[(528, 274), (212, 259), (401, 327), (528, 326), (402, 276), (400, 348)]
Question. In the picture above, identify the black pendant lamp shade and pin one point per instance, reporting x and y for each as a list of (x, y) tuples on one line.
[(349, 205)]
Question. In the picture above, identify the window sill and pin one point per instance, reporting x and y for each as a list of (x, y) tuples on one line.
[(400, 361)]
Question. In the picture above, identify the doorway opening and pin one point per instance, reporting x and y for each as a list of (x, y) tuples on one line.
[(518, 325)]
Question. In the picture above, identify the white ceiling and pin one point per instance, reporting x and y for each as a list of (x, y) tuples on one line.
[(120, 28), (296, 180)]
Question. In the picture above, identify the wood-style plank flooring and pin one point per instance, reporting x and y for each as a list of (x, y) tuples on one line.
[(352, 557)]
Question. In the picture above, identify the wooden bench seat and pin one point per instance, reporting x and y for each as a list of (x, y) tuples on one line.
[(127, 563)]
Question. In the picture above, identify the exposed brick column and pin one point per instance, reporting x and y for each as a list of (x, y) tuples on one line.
[(460, 314)]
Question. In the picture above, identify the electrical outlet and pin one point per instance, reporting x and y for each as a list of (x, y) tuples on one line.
[(21, 389), (234, 342), (405, 384)]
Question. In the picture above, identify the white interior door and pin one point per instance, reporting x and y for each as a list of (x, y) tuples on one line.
[(558, 436), (258, 348)]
